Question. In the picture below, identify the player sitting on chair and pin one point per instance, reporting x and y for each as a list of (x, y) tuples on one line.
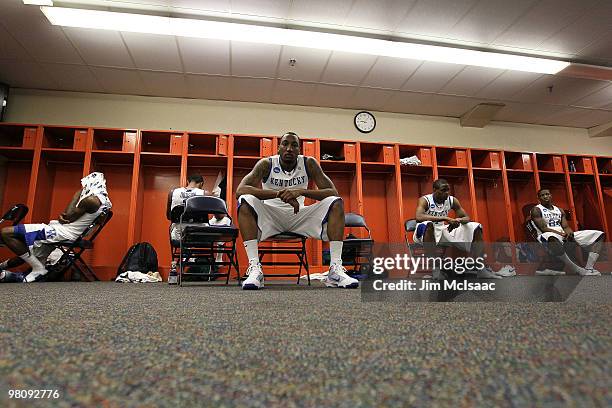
[(552, 229), (278, 206), (432, 213), (195, 185), (28, 241)]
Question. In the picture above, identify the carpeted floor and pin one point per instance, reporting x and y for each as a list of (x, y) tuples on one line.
[(107, 344)]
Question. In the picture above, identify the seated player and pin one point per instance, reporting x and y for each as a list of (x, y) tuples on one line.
[(552, 229), (278, 206), (195, 184), (435, 227), (29, 241)]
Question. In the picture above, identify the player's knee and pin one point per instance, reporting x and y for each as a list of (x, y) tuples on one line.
[(338, 206), (429, 227)]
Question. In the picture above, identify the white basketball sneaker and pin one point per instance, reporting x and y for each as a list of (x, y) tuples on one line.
[(592, 272), (337, 278), (255, 278)]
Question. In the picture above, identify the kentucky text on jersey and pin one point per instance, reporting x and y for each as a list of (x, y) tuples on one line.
[(288, 183)]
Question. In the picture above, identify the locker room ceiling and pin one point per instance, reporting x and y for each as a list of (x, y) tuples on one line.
[(35, 54)]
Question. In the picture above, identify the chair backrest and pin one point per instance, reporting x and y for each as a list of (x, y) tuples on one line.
[(530, 227), (352, 220), (199, 208), (169, 205), (92, 231), (15, 214), (410, 225)]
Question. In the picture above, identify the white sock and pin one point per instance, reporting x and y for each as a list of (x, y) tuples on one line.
[(252, 250), (568, 262), (33, 261), (591, 260), (335, 252)]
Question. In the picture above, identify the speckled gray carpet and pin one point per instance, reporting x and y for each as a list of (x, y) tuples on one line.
[(107, 344)]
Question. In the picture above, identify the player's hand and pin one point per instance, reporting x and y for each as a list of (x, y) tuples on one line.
[(62, 220), (296, 206), (569, 236), (454, 222), (288, 195)]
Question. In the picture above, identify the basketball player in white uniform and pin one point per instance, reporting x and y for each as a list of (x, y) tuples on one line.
[(28, 241), (278, 206), (195, 183), (552, 228), (435, 227)]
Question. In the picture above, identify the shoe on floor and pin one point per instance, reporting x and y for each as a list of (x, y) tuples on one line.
[(506, 271), (11, 277), (592, 272), (549, 272), (487, 273), (337, 278), (35, 276), (255, 279)]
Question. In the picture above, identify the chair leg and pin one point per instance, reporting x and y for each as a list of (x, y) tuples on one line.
[(305, 258)]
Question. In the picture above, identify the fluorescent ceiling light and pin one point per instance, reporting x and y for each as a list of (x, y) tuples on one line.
[(139, 23), (39, 2)]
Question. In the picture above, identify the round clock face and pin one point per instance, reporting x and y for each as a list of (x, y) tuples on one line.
[(365, 122)]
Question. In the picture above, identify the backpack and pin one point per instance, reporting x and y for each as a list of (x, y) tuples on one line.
[(141, 257)]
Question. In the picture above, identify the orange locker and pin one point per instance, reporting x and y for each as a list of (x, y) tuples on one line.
[(349, 152), (266, 147), (80, 139), (176, 144), (308, 149), (129, 142), (425, 156), (388, 155), (222, 145), (29, 138)]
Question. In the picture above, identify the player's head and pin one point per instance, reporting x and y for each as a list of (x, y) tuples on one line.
[(289, 147), (544, 196), (195, 181), (441, 190)]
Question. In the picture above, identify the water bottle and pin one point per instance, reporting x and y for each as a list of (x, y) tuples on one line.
[(572, 166), (173, 277)]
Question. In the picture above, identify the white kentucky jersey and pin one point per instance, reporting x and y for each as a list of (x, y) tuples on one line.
[(438, 210), (552, 217), (73, 229), (278, 179), (179, 195)]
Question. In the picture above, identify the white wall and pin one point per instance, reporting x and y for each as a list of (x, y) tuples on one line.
[(71, 108)]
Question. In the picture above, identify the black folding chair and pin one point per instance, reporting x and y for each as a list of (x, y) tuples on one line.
[(72, 251), (15, 214), (286, 243), (199, 243), (357, 252)]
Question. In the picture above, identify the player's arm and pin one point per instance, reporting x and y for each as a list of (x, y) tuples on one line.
[(540, 222), (462, 216), (325, 187), (251, 182), (568, 230), (73, 212), (421, 215)]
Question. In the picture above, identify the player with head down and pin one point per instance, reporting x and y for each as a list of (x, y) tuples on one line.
[(271, 201)]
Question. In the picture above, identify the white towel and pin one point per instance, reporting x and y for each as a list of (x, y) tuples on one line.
[(94, 184), (410, 161), (138, 277)]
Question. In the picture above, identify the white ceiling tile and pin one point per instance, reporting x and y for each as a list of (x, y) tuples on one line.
[(119, 81), (45, 42), (208, 87), (582, 118), (25, 75), (293, 93), (333, 96), (599, 52), (390, 72), (262, 8), (152, 51), (471, 80), (379, 15), (526, 113), (347, 68), (583, 32), (508, 84), (255, 60), (371, 99), (565, 90), (251, 89), (431, 76), (320, 11), (10, 49), (309, 63), (453, 106), (73, 77), (100, 47), (204, 56), (222, 6), (434, 18), (542, 21), (488, 19), (164, 84), (598, 99), (407, 102)]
